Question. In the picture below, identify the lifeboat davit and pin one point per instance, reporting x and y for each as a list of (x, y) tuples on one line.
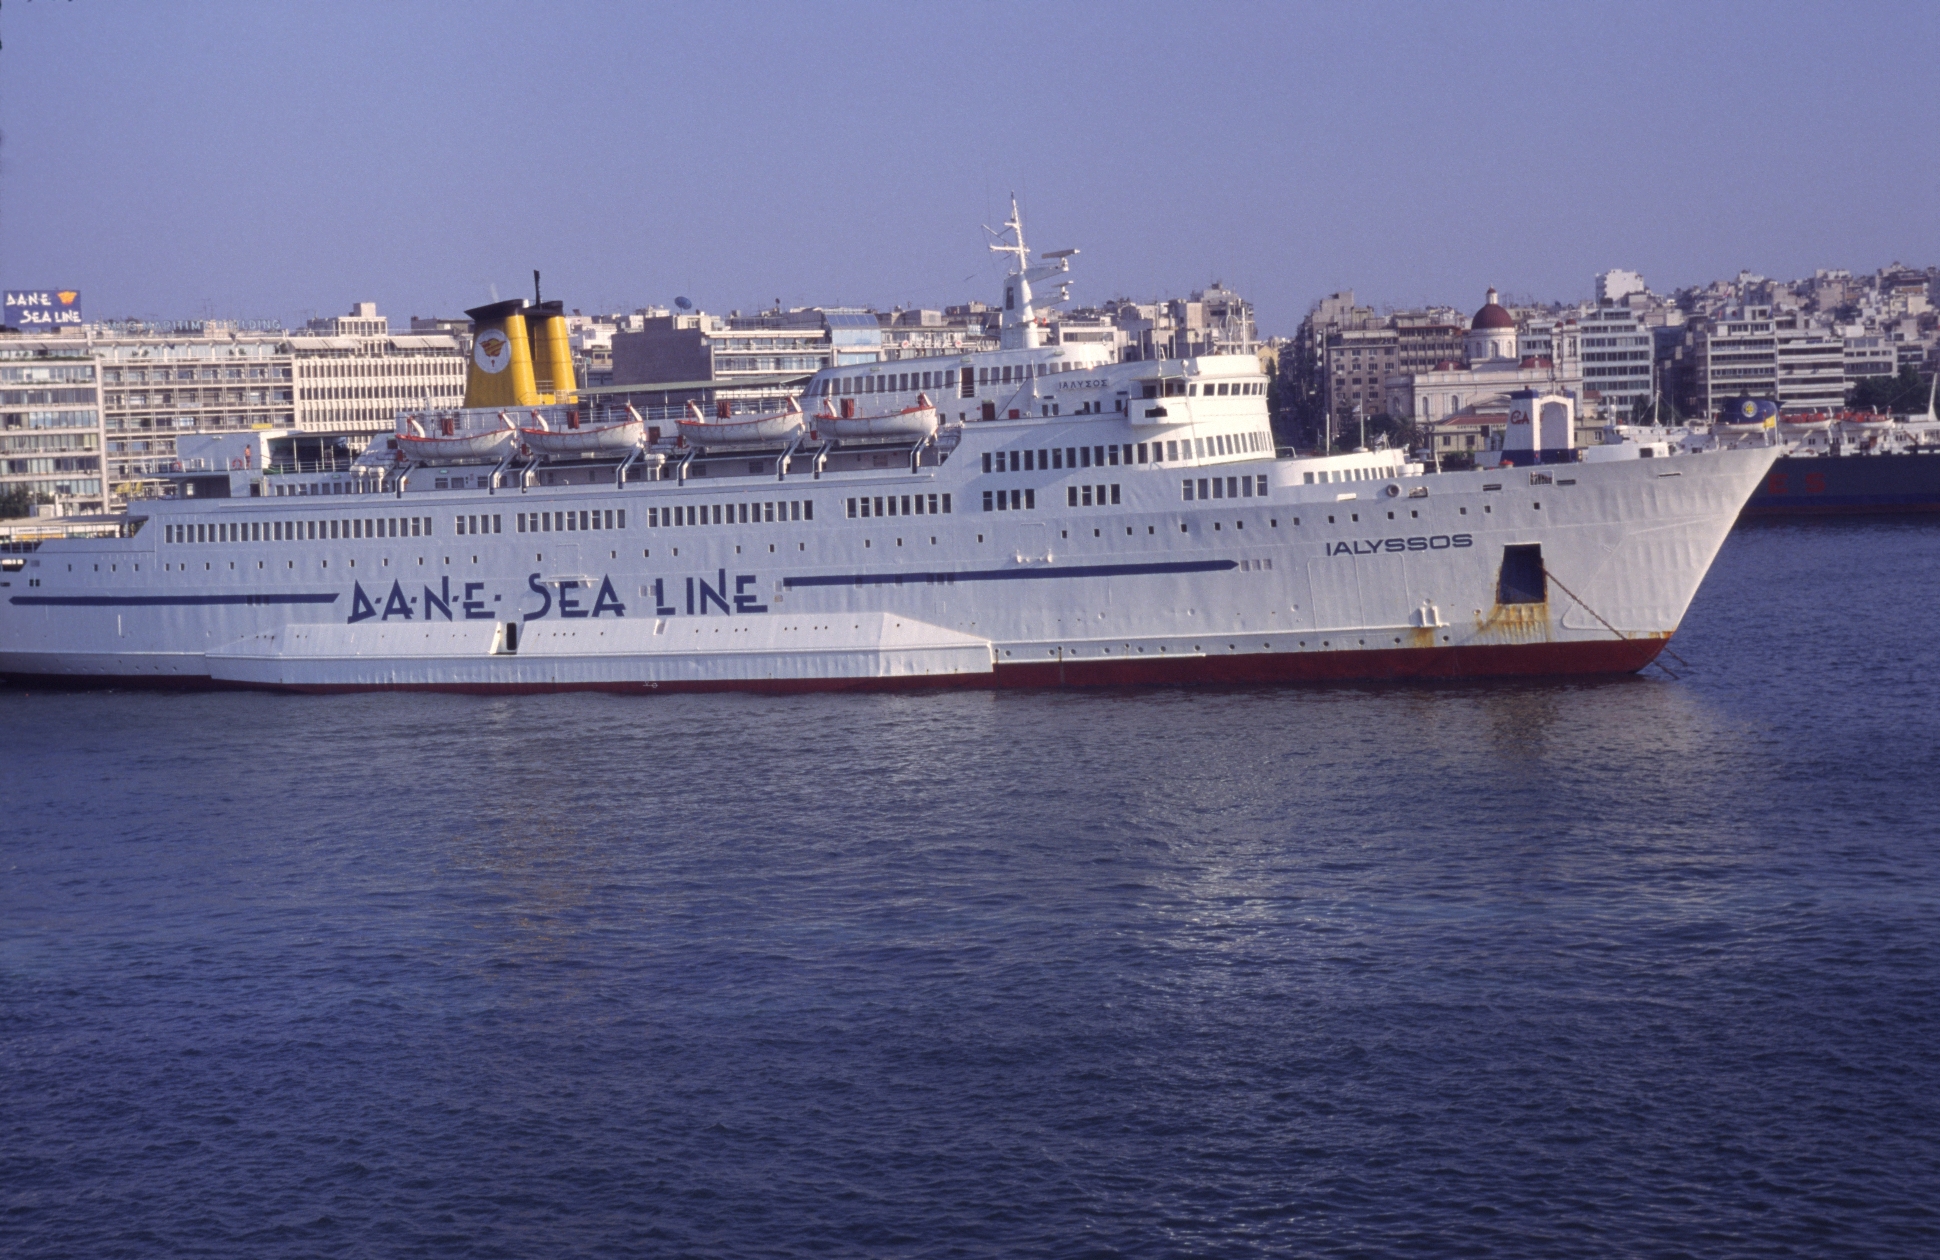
[(914, 421), (574, 438), (754, 431), (444, 438)]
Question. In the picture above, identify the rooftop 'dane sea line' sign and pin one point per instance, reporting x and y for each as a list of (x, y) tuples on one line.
[(31, 309)]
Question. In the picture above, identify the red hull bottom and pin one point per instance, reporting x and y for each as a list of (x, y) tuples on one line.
[(1523, 660)]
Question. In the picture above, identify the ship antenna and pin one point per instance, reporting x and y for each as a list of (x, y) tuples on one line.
[(535, 286), (1019, 311)]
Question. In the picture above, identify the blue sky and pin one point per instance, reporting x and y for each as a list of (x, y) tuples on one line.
[(270, 160)]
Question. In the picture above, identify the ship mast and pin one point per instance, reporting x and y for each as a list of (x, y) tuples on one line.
[(1020, 327)]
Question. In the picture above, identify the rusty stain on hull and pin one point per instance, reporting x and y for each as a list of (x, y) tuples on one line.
[(1515, 623)]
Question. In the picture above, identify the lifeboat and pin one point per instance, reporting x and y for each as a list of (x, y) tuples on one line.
[(1808, 421), (444, 437), (571, 437), (914, 421), (754, 431)]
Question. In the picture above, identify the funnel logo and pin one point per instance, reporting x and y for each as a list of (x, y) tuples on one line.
[(492, 352)]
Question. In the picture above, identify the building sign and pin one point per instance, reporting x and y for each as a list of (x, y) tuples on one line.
[(31, 310)]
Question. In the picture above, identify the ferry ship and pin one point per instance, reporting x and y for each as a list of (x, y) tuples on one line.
[(1851, 464), (1830, 464), (1039, 515)]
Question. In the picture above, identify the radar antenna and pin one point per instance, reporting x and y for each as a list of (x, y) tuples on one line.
[(1020, 322)]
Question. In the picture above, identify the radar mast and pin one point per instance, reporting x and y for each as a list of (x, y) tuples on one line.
[(1021, 330)]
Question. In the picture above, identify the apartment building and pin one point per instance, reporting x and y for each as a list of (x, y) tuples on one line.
[(1736, 353), (1811, 365), (51, 436), (351, 374), (1615, 344)]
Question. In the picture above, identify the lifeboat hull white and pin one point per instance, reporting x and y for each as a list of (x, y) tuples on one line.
[(762, 431), (912, 422), (605, 439), (463, 446)]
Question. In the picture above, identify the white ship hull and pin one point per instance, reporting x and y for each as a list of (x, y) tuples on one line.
[(1309, 579)]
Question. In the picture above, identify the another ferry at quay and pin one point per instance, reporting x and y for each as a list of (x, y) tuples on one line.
[(1039, 515)]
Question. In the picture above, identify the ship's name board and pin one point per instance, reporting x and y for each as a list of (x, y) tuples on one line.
[(1376, 546), (557, 597)]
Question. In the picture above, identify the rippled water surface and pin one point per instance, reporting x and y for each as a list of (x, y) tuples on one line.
[(1637, 967)]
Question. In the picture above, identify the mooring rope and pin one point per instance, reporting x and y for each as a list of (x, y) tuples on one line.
[(1666, 649)]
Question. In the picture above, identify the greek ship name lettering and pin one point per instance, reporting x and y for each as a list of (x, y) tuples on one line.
[(1376, 546)]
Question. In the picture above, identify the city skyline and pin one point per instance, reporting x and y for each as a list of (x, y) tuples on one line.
[(231, 162)]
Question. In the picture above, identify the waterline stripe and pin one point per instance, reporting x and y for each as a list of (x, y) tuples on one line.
[(167, 601), (1014, 575)]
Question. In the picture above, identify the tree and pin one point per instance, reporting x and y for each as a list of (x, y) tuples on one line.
[(17, 501), (1906, 392)]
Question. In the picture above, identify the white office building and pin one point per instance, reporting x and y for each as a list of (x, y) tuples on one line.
[(1616, 357), (51, 437)]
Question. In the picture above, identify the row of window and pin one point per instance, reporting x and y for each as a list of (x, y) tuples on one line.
[(47, 373), (311, 488), (1012, 500), (78, 441), (44, 397), (142, 376), (293, 531), (1090, 496), (439, 365), (1193, 389), (731, 513), (48, 419), (547, 522), (1054, 458), (50, 464), (406, 389), (1217, 488), (905, 505), (1347, 474), (903, 382), (889, 382), (65, 487)]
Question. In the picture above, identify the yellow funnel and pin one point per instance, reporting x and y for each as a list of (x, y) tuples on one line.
[(500, 373), (552, 351)]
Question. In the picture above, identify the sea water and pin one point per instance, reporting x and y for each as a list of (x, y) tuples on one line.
[(1643, 966)]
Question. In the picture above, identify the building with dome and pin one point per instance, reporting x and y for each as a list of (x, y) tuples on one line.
[(1458, 404), (1491, 334)]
